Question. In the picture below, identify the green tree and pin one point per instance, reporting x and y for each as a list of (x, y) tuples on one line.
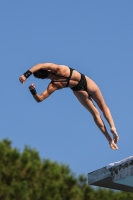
[(25, 176)]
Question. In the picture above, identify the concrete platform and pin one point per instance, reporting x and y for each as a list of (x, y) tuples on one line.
[(117, 175)]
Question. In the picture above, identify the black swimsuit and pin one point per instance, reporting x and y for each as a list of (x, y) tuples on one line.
[(82, 84)]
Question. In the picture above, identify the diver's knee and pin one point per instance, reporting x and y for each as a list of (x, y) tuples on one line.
[(96, 116), (105, 110), (103, 107)]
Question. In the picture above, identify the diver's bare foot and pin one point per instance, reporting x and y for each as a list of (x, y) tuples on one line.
[(113, 145), (115, 135)]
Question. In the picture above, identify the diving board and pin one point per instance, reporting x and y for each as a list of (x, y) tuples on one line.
[(117, 175)]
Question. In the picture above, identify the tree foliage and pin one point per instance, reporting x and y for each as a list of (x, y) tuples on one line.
[(24, 176)]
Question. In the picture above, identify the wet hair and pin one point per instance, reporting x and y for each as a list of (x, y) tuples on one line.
[(41, 74)]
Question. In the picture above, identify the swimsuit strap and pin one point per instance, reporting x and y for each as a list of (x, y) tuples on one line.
[(71, 71), (66, 78)]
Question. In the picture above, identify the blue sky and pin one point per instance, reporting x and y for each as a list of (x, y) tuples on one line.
[(94, 37)]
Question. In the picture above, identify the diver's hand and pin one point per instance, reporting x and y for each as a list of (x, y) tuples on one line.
[(22, 79), (32, 89), (32, 86)]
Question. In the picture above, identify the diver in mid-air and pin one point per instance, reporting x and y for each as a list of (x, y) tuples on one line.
[(84, 88)]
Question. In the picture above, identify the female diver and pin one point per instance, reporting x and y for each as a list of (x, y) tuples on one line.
[(83, 88)]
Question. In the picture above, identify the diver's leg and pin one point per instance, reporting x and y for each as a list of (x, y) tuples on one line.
[(86, 101), (98, 98)]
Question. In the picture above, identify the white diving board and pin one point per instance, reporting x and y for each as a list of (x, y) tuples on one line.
[(117, 175)]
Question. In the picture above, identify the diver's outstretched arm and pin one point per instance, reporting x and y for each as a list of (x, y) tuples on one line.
[(45, 66)]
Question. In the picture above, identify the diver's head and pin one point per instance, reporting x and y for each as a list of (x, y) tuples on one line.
[(41, 74)]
